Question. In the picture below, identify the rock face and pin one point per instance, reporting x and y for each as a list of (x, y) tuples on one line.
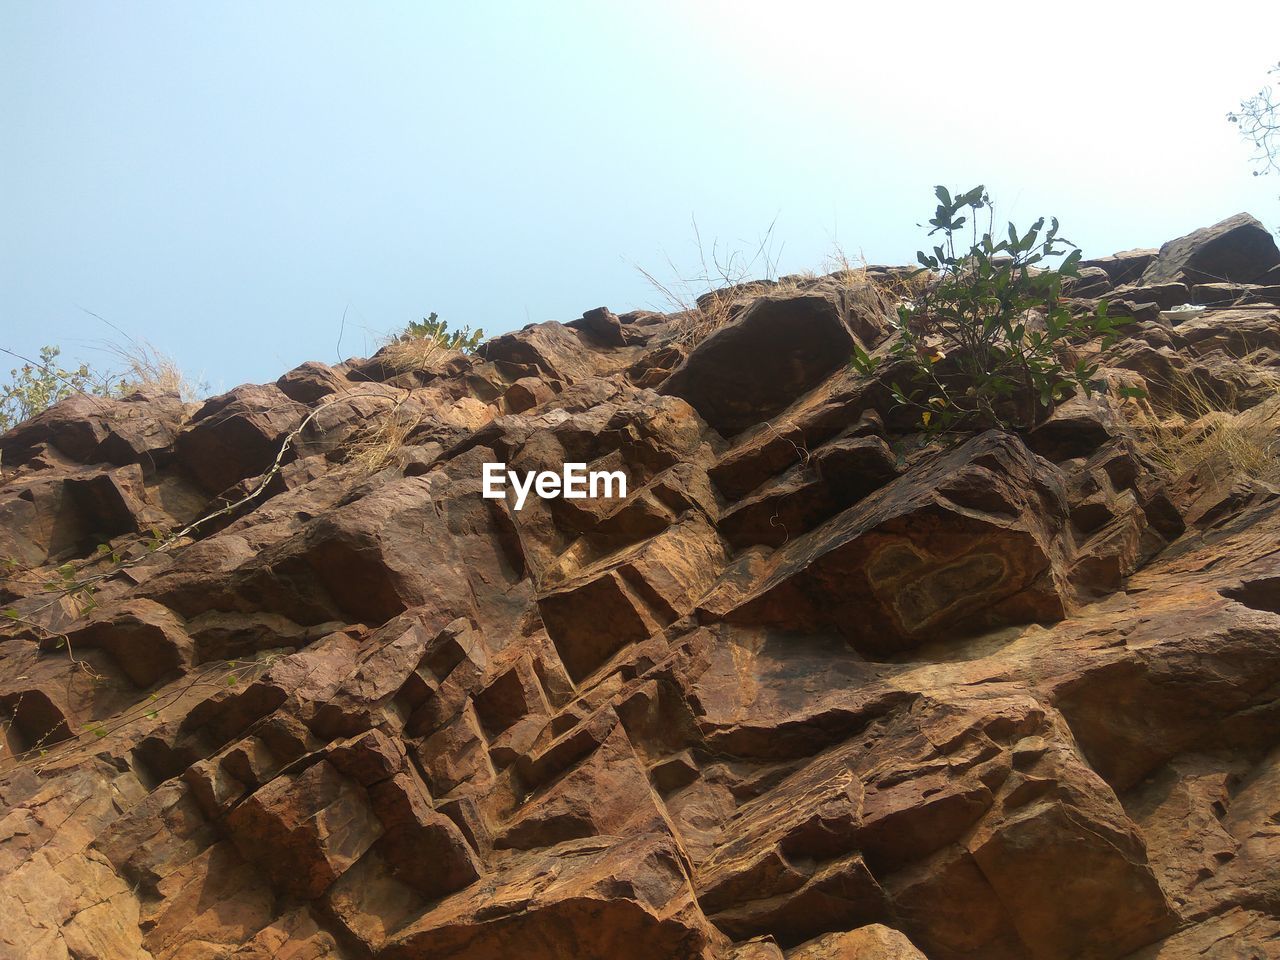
[(812, 690)]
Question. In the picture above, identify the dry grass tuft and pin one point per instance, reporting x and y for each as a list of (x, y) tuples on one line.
[(705, 302), (141, 366), (716, 308), (404, 354), (907, 286), (1193, 429), (377, 443), (849, 272)]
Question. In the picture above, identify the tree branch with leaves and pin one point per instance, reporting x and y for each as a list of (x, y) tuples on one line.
[(1258, 119)]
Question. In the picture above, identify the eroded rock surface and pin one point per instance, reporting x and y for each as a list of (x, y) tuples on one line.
[(814, 690)]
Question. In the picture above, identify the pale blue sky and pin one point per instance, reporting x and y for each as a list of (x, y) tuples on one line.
[(224, 180)]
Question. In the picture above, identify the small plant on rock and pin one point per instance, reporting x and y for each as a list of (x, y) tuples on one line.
[(424, 341), (437, 330), (983, 342)]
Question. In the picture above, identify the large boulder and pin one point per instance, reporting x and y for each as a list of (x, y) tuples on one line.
[(237, 435), (139, 428), (599, 899), (776, 350), (1238, 249), (551, 350)]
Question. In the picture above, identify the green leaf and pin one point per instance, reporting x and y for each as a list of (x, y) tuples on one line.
[(862, 361)]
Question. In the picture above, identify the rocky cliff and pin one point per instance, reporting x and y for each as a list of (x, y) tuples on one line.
[(277, 681)]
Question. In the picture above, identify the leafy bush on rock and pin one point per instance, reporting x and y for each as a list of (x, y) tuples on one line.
[(983, 341)]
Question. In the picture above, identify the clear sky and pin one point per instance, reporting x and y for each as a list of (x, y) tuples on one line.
[(226, 180)]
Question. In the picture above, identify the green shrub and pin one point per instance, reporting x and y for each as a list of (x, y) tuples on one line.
[(34, 387), (436, 330), (982, 343)]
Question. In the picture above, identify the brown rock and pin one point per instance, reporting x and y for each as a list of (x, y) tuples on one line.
[(294, 936), (836, 476), (1124, 267), (750, 370), (549, 349), (423, 848), (237, 435), (215, 901), (525, 394), (1238, 933), (1232, 294), (1166, 295), (602, 324), (75, 427), (54, 518), (141, 428), (574, 616), (1093, 281), (605, 795), (872, 942), (306, 829), (147, 640), (600, 899), (972, 539), (312, 381)]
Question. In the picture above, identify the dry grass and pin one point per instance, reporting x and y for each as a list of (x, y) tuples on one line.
[(376, 443), (907, 286), (709, 299), (404, 353), (849, 272), (902, 284), (705, 302), (140, 366), (1194, 430), (716, 308)]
